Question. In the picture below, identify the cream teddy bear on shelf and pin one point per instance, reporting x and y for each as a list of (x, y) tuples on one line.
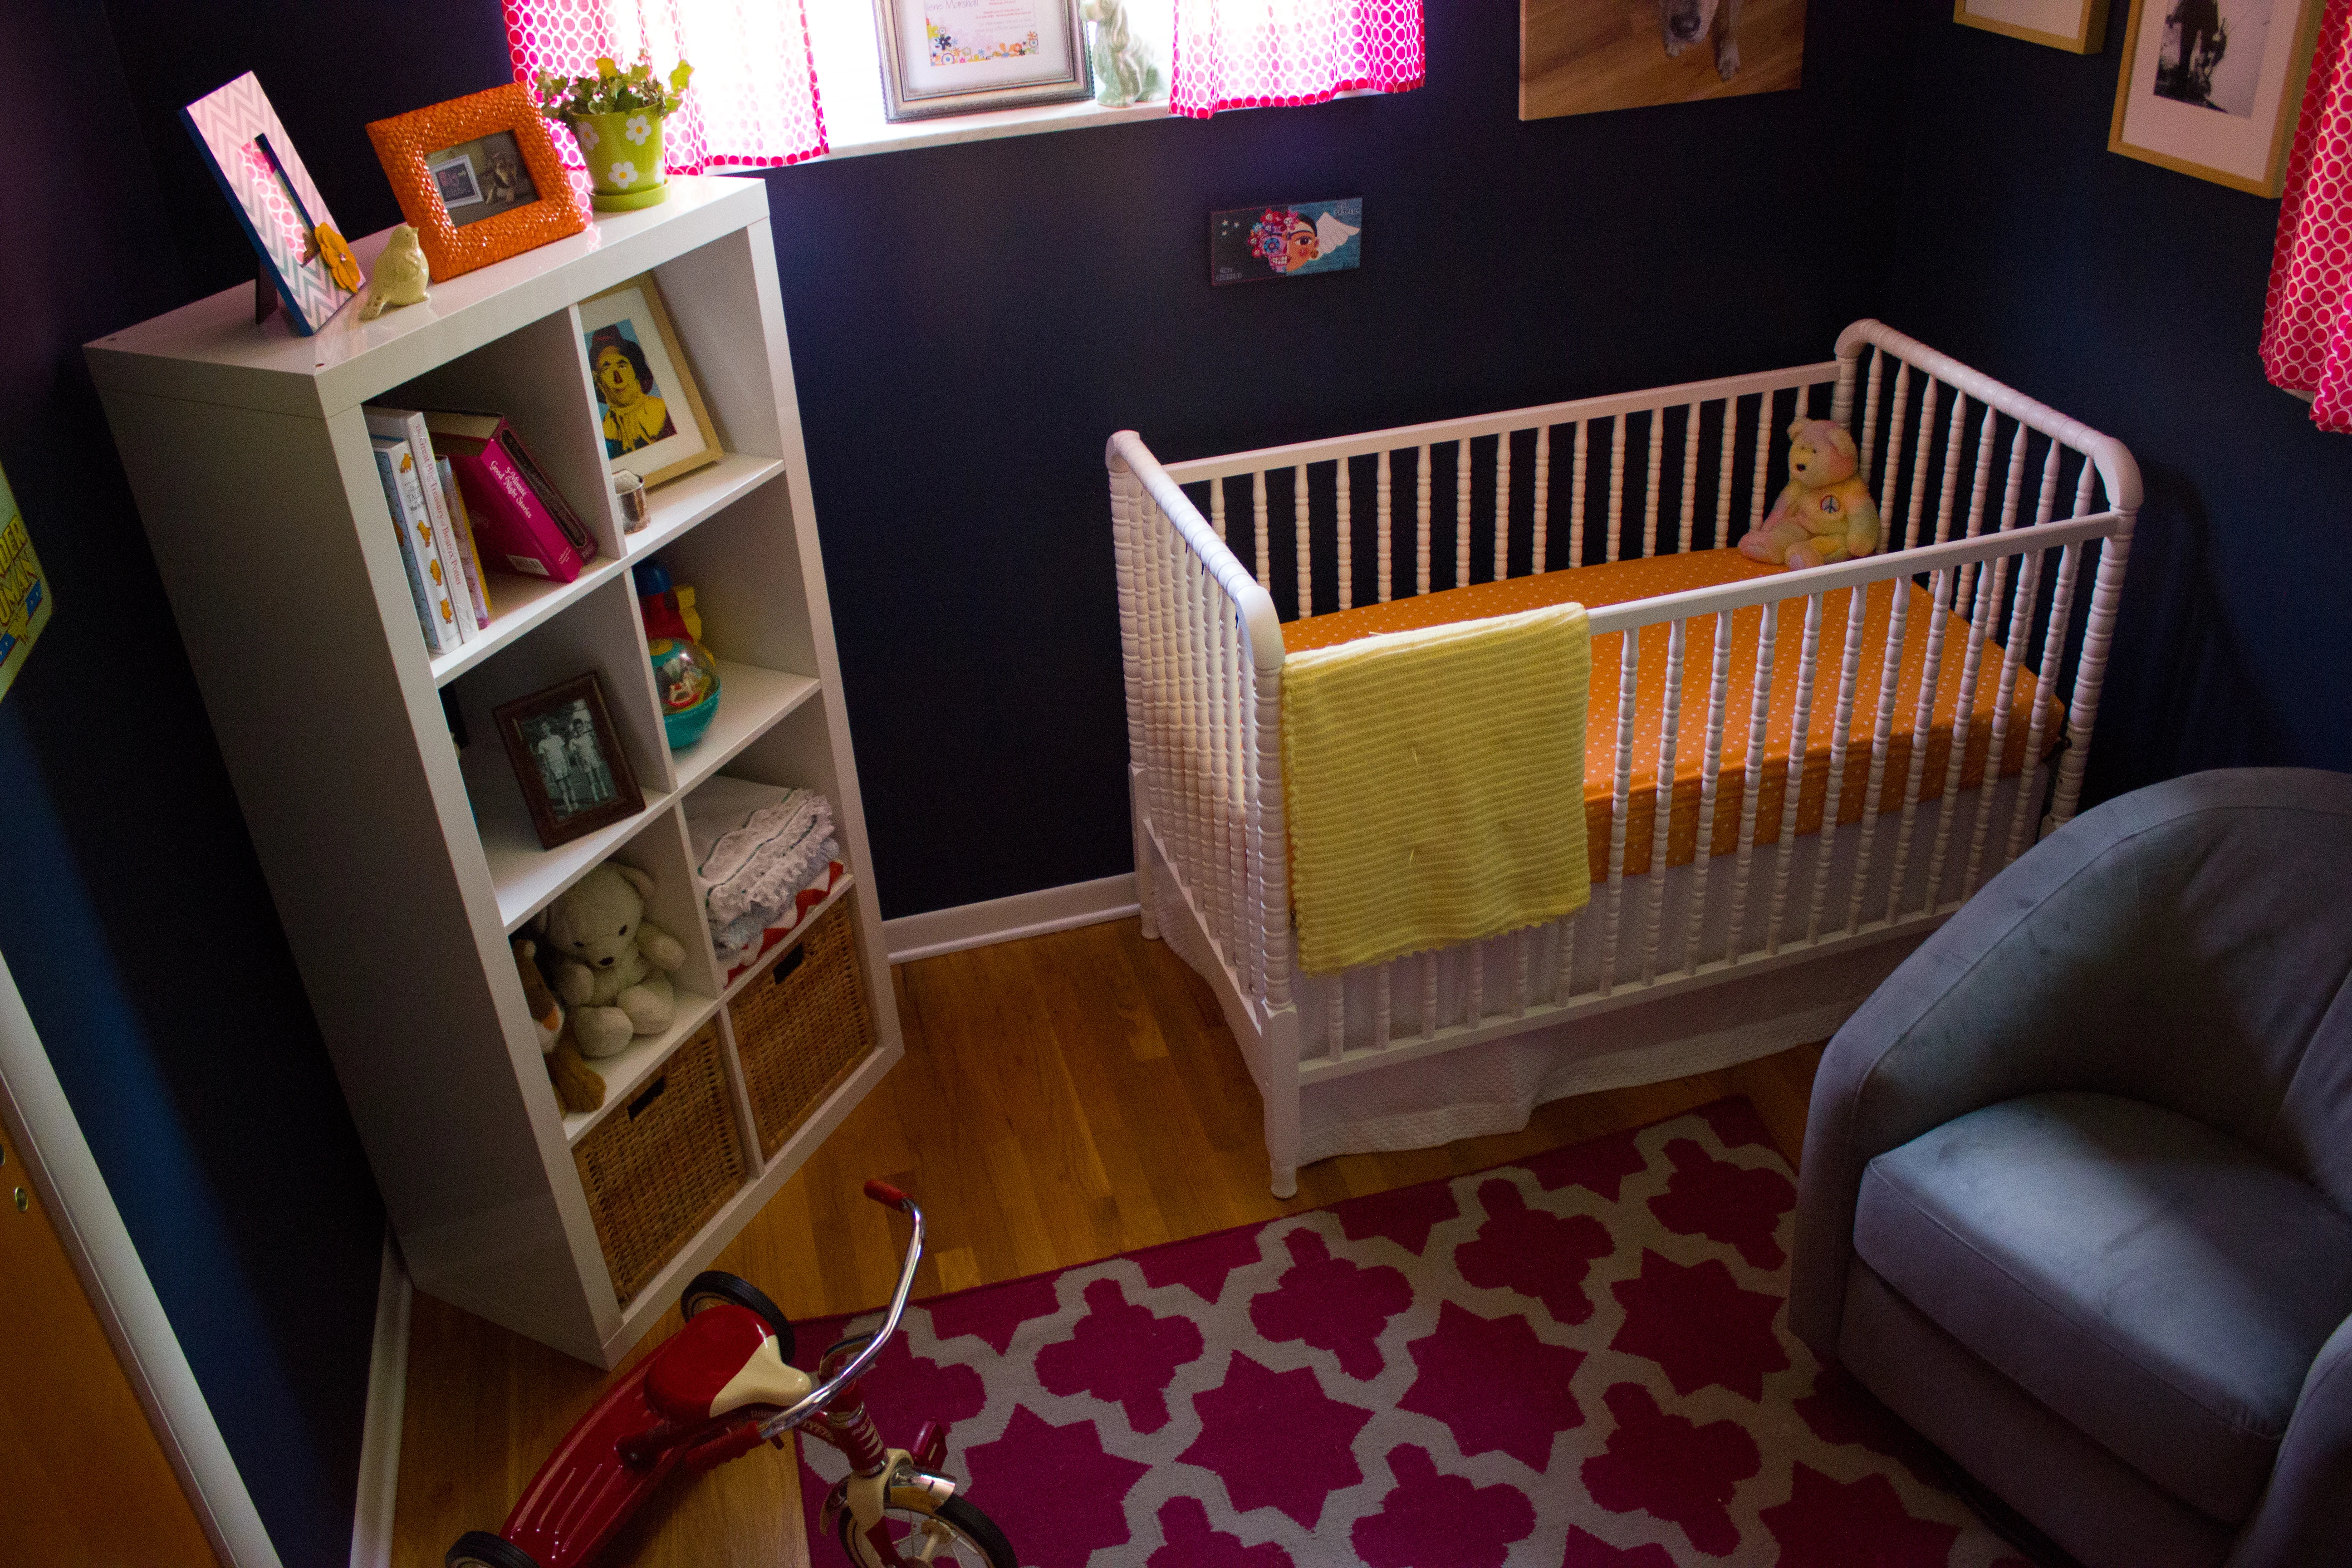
[(610, 964), (1825, 515)]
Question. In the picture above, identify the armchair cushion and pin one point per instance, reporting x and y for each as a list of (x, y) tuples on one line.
[(2161, 1285)]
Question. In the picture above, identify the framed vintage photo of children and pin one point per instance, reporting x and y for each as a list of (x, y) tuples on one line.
[(2212, 87), (655, 423), (575, 778), (478, 178), (962, 57)]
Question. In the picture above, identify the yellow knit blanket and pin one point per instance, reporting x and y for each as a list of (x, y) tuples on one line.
[(1435, 784)]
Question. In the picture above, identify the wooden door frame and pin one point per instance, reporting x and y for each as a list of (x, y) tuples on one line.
[(41, 1123)]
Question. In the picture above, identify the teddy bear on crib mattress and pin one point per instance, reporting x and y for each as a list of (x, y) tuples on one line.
[(1824, 514)]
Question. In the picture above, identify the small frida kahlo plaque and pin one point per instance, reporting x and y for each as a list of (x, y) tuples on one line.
[(1289, 239)]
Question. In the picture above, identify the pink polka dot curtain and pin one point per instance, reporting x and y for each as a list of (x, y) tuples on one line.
[(754, 99), (1238, 54), (2308, 318)]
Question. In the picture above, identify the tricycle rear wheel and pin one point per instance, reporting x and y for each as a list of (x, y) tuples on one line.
[(713, 1285), (480, 1549)]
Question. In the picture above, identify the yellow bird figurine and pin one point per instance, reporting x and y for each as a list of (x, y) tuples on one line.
[(400, 275)]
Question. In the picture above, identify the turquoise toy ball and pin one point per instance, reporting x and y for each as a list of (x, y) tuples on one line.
[(686, 677)]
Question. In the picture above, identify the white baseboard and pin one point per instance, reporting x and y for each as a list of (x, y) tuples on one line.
[(910, 937), (387, 1398)]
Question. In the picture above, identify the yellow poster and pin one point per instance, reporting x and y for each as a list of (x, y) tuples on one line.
[(24, 592)]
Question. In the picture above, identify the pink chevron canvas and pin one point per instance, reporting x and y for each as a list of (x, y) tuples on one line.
[(263, 177)]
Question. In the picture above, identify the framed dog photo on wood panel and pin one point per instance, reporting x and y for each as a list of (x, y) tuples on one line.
[(2078, 26), (1580, 56), (2212, 87)]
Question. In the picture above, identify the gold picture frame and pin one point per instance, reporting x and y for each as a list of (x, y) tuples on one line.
[(632, 345), (2078, 26), (2167, 118)]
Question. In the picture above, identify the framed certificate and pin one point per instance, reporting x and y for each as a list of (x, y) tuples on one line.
[(963, 56)]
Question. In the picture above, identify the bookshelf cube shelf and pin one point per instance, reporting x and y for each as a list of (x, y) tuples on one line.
[(401, 862)]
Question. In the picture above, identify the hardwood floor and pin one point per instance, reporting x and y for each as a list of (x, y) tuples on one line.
[(1062, 1098)]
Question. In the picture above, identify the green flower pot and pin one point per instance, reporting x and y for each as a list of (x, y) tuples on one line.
[(624, 154)]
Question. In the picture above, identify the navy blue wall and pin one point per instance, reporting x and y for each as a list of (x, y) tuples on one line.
[(2132, 297), (136, 921)]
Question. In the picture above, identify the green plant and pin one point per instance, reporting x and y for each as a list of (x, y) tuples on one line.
[(612, 90)]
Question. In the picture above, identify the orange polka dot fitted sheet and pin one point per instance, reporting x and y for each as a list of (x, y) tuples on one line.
[(1624, 581)]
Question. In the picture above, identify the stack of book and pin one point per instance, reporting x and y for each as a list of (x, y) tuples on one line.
[(465, 496)]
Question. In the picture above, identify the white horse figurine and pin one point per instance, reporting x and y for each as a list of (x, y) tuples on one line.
[(1124, 72)]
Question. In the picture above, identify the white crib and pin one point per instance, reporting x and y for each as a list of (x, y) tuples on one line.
[(1786, 931)]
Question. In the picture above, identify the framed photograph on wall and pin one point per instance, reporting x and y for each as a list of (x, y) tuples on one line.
[(1589, 57), (2212, 87), (568, 759), (479, 178), (2078, 26), (962, 57), (655, 423)]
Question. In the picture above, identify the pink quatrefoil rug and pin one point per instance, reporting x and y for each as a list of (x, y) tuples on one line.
[(1580, 1362)]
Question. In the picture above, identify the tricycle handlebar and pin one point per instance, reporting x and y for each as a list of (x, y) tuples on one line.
[(819, 1397)]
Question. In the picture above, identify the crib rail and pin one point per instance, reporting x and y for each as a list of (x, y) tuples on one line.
[(2013, 522)]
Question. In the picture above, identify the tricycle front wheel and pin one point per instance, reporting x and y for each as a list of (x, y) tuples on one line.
[(932, 1532), (480, 1549)]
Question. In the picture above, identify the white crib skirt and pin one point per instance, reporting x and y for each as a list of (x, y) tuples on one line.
[(1494, 1086)]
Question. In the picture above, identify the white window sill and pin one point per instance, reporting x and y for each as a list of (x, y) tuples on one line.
[(947, 131)]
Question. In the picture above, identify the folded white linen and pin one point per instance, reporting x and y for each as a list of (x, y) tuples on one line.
[(755, 846)]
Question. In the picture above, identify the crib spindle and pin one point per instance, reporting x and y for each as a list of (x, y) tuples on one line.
[(1792, 787), (1726, 460), (1965, 606), (1919, 461), (1258, 527), (1690, 476), (1662, 793), (1519, 973), (1751, 768), (1335, 1021), (1840, 740), (2021, 627), (1387, 545), (1306, 534), (1629, 668), (1428, 995), (1882, 735), (1347, 536), (1502, 506), (1763, 462), (2054, 644), (1576, 499), (1964, 729), (1421, 521), (1650, 483), (1543, 497), (1922, 727), (2091, 664), (1462, 512), (1718, 697), (1474, 990), (1217, 506), (1869, 415), (1383, 1015), (1953, 437), (1892, 474), (1616, 486)]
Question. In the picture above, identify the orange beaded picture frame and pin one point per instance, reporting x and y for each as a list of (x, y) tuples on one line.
[(425, 156)]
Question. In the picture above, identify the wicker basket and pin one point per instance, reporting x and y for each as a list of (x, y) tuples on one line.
[(657, 1168), (802, 1024)]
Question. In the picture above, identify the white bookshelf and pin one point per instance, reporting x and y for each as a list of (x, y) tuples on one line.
[(400, 863)]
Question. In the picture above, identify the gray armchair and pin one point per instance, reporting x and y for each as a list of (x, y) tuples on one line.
[(2076, 1184)]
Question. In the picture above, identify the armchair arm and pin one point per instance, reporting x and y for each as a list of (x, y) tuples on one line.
[(2110, 957), (2307, 1514)]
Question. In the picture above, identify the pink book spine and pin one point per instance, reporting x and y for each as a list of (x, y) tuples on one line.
[(509, 523)]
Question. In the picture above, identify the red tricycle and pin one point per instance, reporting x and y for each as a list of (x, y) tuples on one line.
[(723, 1385)]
